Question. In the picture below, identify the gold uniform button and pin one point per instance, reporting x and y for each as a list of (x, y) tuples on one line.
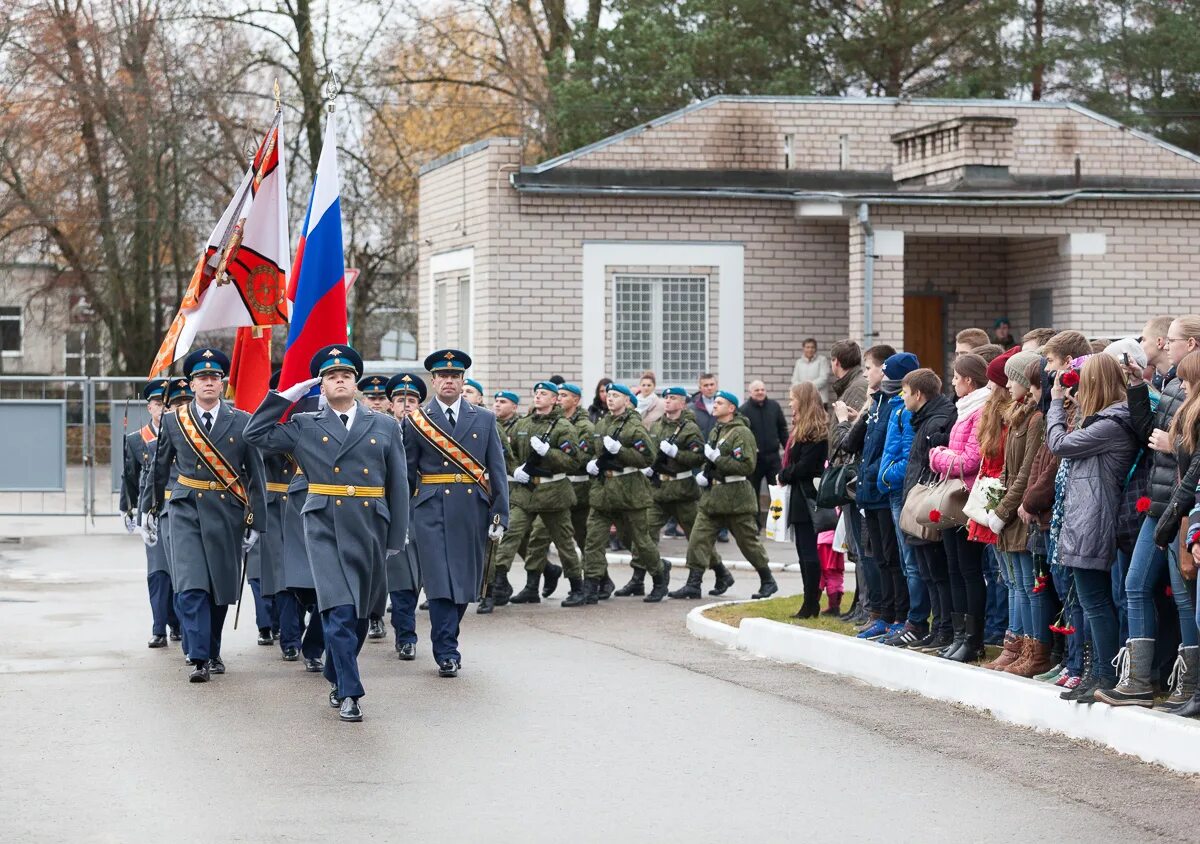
[(199, 494), (285, 496), (458, 479), (231, 439), (446, 491), (324, 439), (366, 503), (366, 471), (372, 441), (474, 436), (336, 469), (444, 463), (338, 502), (222, 496), (212, 484), (469, 490), (351, 491)]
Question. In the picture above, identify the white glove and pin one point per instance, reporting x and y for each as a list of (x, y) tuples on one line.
[(995, 523), (539, 445), (701, 480), (496, 533), (520, 475), (593, 468), (248, 542), (297, 391), (130, 523), (648, 471), (668, 448), (712, 452), (149, 529), (613, 446)]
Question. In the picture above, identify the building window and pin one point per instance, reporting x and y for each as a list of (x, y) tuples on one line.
[(85, 354), (464, 313), (439, 321), (660, 323), (12, 329)]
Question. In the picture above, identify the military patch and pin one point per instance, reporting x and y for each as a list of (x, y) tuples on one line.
[(639, 445), (566, 448), (696, 447), (737, 452)]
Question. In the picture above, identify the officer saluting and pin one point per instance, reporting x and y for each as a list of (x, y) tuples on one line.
[(461, 500), (136, 488), (406, 391), (218, 498), (356, 512)]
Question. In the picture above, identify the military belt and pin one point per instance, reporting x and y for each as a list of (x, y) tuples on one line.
[(447, 478), (578, 479), (198, 484), (678, 477), (274, 487), (540, 480), (612, 473), (732, 479), (348, 491)]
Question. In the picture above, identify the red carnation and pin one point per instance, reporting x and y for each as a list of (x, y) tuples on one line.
[(1170, 592), (935, 516), (1070, 378), (1143, 504)]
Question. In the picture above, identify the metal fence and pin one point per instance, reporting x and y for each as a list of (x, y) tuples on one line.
[(62, 439)]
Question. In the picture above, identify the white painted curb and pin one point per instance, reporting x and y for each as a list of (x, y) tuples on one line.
[(1153, 736)]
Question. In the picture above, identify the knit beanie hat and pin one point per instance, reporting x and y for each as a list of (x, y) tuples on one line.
[(995, 369), (894, 370), (972, 366), (1016, 366)]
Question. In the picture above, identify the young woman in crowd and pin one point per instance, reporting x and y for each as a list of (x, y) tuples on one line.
[(1101, 451), (961, 458), (1026, 432), (803, 461), (649, 406), (599, 406)]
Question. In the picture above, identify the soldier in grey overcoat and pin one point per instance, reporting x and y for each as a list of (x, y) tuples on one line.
[(406, 391), (356, 511), (454, 514), (136, 476), (178, 393), (214, 515)]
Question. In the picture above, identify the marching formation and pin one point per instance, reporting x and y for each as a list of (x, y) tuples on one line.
[(338, 510)]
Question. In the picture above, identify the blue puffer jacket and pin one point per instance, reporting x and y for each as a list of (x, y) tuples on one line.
[(896, 447), (866, 438)]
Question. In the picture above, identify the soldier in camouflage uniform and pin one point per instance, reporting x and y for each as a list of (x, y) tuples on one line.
[(674, 494), (728, 500), (544, 450), (619, 496)]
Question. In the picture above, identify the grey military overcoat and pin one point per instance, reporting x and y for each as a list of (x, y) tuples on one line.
[(347, 536), (207, 526), (450, 521), (136, 489)]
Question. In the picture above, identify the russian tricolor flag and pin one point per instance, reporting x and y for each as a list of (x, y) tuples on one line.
[(316, 286)]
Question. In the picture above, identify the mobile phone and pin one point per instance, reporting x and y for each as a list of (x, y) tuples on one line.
[(1125, 358)]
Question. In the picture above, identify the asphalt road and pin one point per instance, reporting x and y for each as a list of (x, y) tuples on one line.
[(604, 724)]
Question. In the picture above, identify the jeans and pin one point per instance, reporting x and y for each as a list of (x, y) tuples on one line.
[(1094, 588), (1035, 605), (1018, 611), (870, 568), (965, 558), (918, 593), (996, 612), (1120, 571), (1072, 616), (894, 606), (1146, 571)]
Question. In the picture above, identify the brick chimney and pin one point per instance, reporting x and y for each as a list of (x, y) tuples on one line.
[(949, 151)]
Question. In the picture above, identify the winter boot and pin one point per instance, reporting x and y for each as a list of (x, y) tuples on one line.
[(529, 595), (591, 589), (835, 604), (486, 605), (552, 573), (767, 585), (1085, 676), (576, 597), (635, 586), (972, 647), (960, 635), (1183, 679), (724, 579), (1014, 649), (691, 589), (1133, 676), (661, 581), (1035, 661), (605, 587), (501, 588)]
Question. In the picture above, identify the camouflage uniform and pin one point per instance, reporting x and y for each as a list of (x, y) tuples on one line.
[(538, 556)]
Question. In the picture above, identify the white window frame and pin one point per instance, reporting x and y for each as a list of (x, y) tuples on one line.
[(20, 320), (656, 322), (84, 355), (445, 262)]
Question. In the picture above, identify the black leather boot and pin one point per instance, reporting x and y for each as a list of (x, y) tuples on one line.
[(972, 647), (635, 586), (1190, 709), (960, 635), (486, 605), (501, 589), (692, 589), (724, 579), (591, 589), (605, 587), (552, 573), (529, 595), (576, 597), (767, 585), (661, 581)]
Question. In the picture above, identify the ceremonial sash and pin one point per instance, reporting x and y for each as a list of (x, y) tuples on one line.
[(147, 433), (449, 449), (212, 459)]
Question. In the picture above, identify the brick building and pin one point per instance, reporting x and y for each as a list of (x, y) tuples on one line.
[(720, 236)]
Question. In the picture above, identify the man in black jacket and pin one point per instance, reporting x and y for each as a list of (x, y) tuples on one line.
[(770, 432)]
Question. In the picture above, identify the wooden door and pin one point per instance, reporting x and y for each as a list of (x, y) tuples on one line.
[(924, 331)]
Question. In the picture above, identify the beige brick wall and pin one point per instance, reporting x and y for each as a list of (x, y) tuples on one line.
[(749, 135)]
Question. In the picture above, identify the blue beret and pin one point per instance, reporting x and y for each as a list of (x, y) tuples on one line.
[(451, 359), (674, 391), (178, 387), (546, 385), (571, 388), (471, 382), (508, 394), (156, 389), (373, 385), (729, 397), (212, 361), (335, 357), (620, 388), (406, 382)]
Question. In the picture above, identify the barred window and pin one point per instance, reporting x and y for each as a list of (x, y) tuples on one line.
[(12, 327), (660, 323)]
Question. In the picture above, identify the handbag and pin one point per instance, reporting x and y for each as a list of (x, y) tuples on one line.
[(838, 482), (976, 508), (946, 498), (916, 502)]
